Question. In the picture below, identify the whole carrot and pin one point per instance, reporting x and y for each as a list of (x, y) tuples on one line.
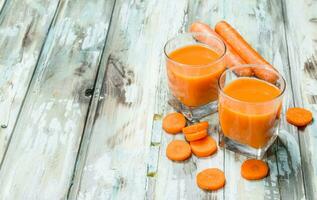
[(232, 58), (244, 50)]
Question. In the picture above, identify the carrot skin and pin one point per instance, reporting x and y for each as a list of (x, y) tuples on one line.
[(238, 43), (244, 50)]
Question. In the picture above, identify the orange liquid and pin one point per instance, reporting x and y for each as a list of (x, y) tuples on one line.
[(249, 122), (194, 81)]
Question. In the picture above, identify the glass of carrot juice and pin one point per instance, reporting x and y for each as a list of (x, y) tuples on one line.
[(193, 69), (249, 109)]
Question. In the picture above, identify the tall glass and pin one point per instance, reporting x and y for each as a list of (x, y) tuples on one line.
[(194, 90), (249, 127)]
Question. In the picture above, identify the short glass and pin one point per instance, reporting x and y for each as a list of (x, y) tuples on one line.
[(249, 128), (194, 90)]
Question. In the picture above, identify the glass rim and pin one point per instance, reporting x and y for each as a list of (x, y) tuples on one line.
[(221, 57), (253, 66)]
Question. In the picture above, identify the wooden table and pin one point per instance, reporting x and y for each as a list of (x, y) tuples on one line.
[(83, 91)]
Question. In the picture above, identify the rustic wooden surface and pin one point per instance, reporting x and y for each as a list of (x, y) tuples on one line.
[(83, 92)]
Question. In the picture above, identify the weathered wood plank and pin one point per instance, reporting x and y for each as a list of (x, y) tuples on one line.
[(301, 33), (261, 22), (116, 165), (23, 28), (41, 156), (2, 2), (178, 180)]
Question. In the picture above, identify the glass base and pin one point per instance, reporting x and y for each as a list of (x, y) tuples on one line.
[(193, 113), (246, 150)]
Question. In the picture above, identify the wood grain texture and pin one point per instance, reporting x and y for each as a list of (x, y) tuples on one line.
[(23, 28), (116, 164), (261, 23), (301, 33), (2, 2), (40, 159)]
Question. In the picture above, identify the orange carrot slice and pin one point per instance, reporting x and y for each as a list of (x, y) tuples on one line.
[(195, 128), (211, 179), (204, 147), (196, 136), (253, 169), (174, 123), (178, 150), (245, 51), (299, 116)]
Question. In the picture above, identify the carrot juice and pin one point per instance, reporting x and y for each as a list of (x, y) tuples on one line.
[(248, 111), (193, 71)]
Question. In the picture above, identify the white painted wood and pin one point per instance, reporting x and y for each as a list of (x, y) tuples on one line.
[(261, 23), (301, 33), (23, 27), (116, 165), (40, 159), (2, 2)]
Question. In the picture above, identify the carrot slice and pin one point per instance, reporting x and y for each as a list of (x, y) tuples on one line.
[(196, 136), (195, 127), (174, 123), (178, 150), (232, 58), (211, 179), (204, 147), (245, 51), (253, 169), (299, 116)]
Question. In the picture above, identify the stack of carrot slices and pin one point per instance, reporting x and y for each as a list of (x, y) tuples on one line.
[(202, 145)]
